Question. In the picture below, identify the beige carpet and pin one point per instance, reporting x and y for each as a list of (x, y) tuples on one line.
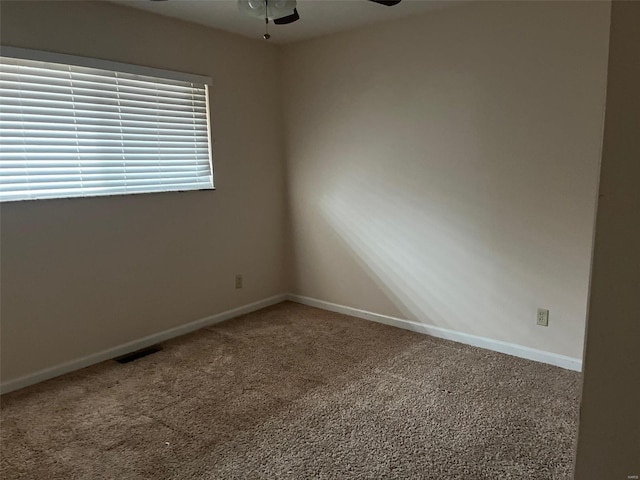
[(298, 393)]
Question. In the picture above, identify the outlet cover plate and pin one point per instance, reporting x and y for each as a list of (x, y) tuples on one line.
[(543, 317)]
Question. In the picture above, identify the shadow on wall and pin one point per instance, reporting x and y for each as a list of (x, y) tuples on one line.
[(434, 257)]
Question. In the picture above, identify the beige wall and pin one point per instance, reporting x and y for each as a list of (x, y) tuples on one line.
[(83, 275), (443, 168), (609, 436)]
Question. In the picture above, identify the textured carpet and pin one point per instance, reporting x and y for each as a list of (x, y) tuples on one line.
[(299, 393)]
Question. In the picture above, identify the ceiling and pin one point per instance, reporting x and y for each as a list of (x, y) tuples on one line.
[(317, 17)]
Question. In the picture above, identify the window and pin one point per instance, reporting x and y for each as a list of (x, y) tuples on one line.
[(77, 127)]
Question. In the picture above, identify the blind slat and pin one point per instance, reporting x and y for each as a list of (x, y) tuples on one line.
[(84, 150), (64, 126), (23, 98), (98, 118), (168, 135), (42, 164), (116, 112), (99, 173), (37, 142)]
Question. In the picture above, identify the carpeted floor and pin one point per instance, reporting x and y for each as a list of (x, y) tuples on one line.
[(298, 393)]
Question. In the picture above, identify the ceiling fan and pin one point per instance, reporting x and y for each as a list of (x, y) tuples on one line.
[(282, 12)]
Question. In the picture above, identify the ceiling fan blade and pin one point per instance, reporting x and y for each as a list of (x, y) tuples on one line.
[(388, 3), (288, 19)]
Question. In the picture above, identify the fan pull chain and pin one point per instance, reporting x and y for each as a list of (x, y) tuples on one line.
[(266, 35)]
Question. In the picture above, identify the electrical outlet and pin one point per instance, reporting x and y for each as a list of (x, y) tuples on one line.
[(239, 280), (543, 317)]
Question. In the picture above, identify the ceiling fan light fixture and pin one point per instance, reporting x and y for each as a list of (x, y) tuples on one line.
[(270, 9), (255, 8)]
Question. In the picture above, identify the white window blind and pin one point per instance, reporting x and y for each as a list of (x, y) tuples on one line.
[(72, 131)]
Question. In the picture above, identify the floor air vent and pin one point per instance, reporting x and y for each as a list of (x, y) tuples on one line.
[(130, 357)]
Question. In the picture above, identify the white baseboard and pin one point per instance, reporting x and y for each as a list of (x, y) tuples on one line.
[(562, 361), (134, 345)]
